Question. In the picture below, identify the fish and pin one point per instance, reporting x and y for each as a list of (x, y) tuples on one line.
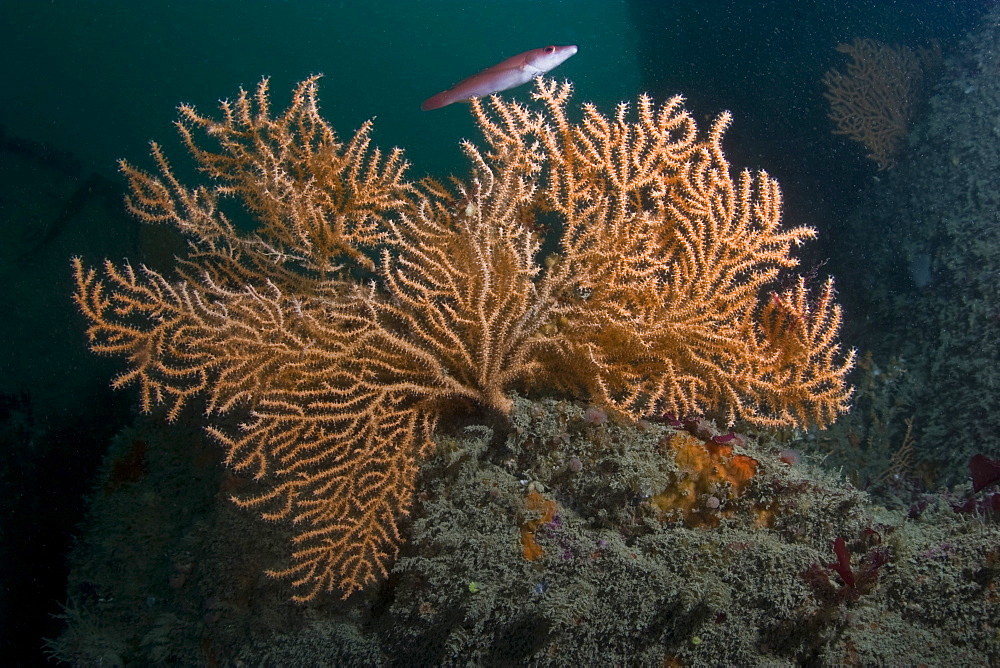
[(519, 69)]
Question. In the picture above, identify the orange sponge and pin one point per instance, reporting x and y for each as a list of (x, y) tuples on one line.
[(543, 511), (705, 468)]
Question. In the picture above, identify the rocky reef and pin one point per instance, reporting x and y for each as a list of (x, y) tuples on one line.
[(561, 537), (929, 240)]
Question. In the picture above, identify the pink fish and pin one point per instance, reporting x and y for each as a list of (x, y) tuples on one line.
[(512, 72)]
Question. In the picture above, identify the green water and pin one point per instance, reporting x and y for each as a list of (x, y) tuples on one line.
[(102, 78)]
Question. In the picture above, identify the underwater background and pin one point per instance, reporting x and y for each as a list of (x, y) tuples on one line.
[(914, 249)]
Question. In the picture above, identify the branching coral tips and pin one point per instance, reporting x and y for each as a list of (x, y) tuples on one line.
[(512, 72)]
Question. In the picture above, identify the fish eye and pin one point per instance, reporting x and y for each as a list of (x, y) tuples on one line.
[(550, 49)]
